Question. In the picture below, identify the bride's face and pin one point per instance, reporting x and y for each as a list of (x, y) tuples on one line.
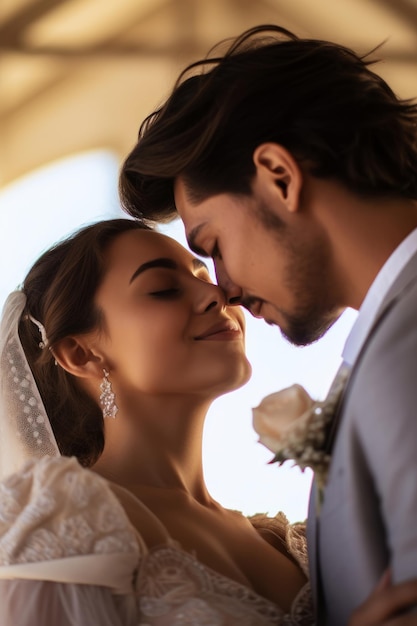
[(167, 329)]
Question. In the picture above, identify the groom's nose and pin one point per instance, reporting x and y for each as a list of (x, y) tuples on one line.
[(233, 292)]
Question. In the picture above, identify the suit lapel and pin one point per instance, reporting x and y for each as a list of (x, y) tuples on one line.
[(313, 560), (313, 526), (406, 279)]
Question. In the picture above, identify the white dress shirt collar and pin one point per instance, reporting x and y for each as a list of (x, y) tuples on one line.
[(376, 294)]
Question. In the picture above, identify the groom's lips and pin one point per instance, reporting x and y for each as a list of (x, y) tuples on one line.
[(253, 305)]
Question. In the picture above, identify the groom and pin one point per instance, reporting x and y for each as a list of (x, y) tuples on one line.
[(294, 166)]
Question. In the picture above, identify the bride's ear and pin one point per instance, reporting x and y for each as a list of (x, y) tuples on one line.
[(75, 355)]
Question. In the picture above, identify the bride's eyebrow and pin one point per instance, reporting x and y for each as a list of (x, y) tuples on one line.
[(166, 263), (161, 262)]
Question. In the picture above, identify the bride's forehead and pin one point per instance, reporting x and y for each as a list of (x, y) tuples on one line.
[(144, 245)]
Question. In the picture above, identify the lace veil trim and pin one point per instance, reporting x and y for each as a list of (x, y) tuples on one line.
[(25, 430)]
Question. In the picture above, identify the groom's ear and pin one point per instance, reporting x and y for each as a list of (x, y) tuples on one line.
[(277, 169), (76, 356)]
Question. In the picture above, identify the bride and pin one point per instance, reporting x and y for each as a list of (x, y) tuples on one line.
[(111, 354)]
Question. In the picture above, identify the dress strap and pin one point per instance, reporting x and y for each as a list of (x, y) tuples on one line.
[(105, 570)]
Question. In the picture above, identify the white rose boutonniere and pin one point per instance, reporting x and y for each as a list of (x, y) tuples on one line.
[(294, 427)]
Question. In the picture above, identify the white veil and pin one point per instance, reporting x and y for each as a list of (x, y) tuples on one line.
[(25, 430)]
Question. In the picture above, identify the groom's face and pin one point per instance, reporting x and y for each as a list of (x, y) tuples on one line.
[(277, 272)]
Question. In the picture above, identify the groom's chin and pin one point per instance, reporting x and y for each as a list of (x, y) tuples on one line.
[(305, 333)]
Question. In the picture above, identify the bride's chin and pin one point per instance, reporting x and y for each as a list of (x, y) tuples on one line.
[(234, 375), (242, 375), (247, 374)]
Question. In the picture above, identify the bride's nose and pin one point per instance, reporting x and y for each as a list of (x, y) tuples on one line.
[(210, 296)]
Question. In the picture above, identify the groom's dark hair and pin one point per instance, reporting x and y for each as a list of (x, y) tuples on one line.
[(318, 99)]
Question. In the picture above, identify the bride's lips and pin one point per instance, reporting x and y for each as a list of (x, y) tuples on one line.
[(221, 331)]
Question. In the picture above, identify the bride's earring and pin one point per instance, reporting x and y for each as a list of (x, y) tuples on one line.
[(107, 396)]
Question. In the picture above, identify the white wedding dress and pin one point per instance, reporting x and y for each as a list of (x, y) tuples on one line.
[(69, 556)]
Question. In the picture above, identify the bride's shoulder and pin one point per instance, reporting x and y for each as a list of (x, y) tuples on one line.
[(278, 523), (288, 538), (54, 508), (51, 481)]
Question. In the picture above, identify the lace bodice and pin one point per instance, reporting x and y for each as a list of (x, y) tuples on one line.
[(62, 523)]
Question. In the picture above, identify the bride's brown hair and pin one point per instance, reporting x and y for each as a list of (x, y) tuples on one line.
[(60, 290)]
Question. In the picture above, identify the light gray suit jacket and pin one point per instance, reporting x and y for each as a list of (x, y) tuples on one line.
[(369, 516)]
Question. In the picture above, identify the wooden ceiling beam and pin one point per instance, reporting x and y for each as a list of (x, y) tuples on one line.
[(106, 50), (406, 10), (13, 28)]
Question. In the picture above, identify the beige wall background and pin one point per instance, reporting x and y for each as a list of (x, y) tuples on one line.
[(78, 75)]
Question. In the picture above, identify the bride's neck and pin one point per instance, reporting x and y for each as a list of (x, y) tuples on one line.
[(160, 452)]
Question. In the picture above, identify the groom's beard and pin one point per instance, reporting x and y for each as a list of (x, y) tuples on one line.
[(304, 329), (307, 278)]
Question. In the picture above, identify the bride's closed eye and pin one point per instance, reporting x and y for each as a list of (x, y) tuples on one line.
[(172, 292)]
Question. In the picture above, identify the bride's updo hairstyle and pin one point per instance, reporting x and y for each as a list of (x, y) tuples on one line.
[(60, 290)]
